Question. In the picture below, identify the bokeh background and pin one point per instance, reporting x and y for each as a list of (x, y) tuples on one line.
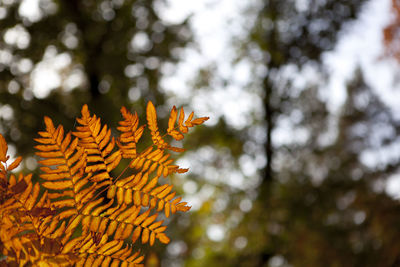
[(299, 162)]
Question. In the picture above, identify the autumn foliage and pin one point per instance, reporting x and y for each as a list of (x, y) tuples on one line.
[(392, 32), (89, 209)]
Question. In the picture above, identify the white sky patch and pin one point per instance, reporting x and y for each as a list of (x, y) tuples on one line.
[(197, 199), (190, 187), (46, 75), (30, 9), (214, 23), (177, 11), (393, 186), (176, 248), (6, 112), (361, 44), (216, 232), (17, 36), (381, 156), (34, 10), (75, 79), (232, 102)]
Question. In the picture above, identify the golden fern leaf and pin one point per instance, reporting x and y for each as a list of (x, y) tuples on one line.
[(98, 145), (65, 168), (63, 162), (151, 116), (80, 211), (182, 126), (24, 216), (40, 229), (41, 254), (3, 149), (72, 191), (4, 168), (121, 221), (14, 222), (171, 125), (130, 133), (150, 160), (103, 253), (137, 188)]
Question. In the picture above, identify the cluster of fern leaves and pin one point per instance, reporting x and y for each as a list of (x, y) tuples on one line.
[(80, 214)]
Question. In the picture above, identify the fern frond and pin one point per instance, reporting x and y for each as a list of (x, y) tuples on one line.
[(70, 223), (98, 145), (147, 195), (46, 253), (120, 221), (3, 150), (25, 217), (137, 188), (182, 126), (149, 161), (151, 116), (71, 189), (63, 162), (130, 133), (103, 253)]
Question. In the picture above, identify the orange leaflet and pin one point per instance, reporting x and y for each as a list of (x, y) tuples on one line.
[(151, 117), (15, 164), (182, 128), (172, 119), (3, 149)]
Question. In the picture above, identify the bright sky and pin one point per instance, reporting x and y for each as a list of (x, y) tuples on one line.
[(214, 24), (361, 44)]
